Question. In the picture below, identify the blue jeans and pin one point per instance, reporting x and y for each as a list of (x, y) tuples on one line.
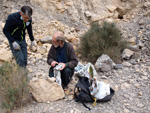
[(66, 75), (20, 55)]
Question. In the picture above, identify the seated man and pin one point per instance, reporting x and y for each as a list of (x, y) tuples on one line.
[(62, 53)]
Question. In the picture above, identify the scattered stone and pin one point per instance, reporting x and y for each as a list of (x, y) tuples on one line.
[(41, 50), (5, 56), (132, 41), (127, 54), (118, 66), (140, 94), (46, 39), (126, 64)]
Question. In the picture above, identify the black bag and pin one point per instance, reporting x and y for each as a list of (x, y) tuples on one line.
[(83, 92)]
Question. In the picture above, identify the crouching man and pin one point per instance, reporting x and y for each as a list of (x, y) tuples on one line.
[(62, 53)]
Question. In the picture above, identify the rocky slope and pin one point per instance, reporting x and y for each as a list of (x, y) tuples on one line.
[(131, 83)]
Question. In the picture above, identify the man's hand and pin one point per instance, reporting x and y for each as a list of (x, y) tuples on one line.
[(63, 65), (33, 43), (16, 46), (53, 64)]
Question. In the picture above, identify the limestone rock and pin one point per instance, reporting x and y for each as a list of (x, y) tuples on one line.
[(46, 90), (41, 50), (5, 55), (127, 54), (46, 39), (132, 40), (126, 64), (104, 63)]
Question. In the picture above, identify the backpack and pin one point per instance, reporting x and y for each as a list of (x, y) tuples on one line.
[(82, 92)]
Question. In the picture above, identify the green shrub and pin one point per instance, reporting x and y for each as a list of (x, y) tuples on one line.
[(100, 40), (14, 90)]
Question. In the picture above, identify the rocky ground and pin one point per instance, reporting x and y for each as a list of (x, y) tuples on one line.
[(131, 83), (132, 94)]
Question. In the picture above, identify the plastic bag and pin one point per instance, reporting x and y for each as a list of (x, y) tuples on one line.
[(83, 70), (57, 74), (101, 90)]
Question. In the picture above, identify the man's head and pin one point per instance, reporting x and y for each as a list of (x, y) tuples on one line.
[(58, 39), (26, 12)]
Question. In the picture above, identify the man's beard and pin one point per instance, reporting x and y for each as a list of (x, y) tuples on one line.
[(56, 46)]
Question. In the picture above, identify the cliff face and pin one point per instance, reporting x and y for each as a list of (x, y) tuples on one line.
[(72, 17), (72, 12)]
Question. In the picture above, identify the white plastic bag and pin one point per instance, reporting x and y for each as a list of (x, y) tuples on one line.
[(103, 90), (57, 74)]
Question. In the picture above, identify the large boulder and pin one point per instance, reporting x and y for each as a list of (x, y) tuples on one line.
[(45, 89), (104, 63)]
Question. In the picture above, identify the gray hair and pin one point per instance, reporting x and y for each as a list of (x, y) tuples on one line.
[(27, 10), (61, 38)]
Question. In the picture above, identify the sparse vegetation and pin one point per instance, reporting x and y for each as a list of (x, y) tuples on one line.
[(100, 40), (14, 90)]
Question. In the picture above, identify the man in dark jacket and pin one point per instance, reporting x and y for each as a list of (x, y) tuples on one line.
[(14, 30), (62, 53)]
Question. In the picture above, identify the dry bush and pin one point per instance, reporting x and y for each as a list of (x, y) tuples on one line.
[(14, 90), (100, 40)]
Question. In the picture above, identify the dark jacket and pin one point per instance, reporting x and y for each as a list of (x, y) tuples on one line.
[(71, 57), (14, 28)]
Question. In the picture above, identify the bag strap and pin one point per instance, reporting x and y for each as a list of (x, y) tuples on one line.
[(76, 97)]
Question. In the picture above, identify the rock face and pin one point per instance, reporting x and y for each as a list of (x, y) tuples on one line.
[(77, 12), (46, 90), (87, 10), (5, 56), (104, 63)]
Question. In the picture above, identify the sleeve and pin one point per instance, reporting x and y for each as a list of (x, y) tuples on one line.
[(51, 55), (29, 29), (7, 29), (72, 56)]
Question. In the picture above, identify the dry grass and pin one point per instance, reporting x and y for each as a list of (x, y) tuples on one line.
[(100, 40), (14, 90)]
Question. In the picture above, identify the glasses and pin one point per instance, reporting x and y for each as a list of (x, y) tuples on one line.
[(25, 17)]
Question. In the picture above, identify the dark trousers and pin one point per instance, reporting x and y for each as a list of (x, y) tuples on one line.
[(20, 55), (66, 75)]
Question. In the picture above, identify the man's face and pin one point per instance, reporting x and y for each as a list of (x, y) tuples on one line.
[(55, 43), (25, 17)]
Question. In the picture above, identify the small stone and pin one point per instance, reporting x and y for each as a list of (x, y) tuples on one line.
[(116, 88), (125, 86), (57, 110), (118, 66), (33, 48), (126, 111), (140, 105), (140, 94), (30, 70), (126, 64), (39, 44)]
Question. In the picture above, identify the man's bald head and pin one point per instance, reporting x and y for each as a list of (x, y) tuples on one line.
[(58, 39), (59, 36)]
